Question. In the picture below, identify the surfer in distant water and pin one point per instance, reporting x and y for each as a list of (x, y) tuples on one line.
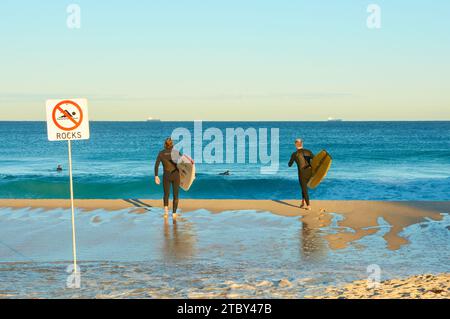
[(168, 156), (59, 169), (302, 157), (226, 173)]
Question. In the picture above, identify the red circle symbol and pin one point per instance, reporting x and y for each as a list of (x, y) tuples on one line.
[(67, 116)]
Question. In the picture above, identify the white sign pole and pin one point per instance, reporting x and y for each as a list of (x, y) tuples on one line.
[(74, 242)]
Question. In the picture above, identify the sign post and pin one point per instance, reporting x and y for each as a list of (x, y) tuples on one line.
[(68, 120), (72, 205)]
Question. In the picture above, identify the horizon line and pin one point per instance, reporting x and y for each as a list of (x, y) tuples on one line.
[(172, 121)]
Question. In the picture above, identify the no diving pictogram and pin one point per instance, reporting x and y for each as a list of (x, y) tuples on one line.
[(67, 115)]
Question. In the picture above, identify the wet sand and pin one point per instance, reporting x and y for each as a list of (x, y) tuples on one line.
[(424, 286), (360, 218), (229, 249)]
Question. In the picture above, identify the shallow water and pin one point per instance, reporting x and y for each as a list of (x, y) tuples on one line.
[(124, 254)]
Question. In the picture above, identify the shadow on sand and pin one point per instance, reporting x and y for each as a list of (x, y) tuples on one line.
[(138, 203), (284, 203)]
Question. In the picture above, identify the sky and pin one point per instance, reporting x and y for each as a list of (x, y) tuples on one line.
[(227, 59)]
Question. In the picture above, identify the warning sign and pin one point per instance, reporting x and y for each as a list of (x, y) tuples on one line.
[(67, 120)]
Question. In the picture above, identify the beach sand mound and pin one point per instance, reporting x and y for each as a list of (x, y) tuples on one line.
[(417, 287)]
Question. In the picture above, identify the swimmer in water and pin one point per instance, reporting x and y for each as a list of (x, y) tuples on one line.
[(227, 173), (59, 168)]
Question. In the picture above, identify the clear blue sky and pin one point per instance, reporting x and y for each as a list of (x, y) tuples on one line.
[(228, 59)]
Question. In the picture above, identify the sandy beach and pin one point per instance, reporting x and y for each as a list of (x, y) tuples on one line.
[(426, 286), (361, 217)]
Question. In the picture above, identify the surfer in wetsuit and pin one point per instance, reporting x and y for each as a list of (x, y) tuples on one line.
[(169, 157), (302, 157)]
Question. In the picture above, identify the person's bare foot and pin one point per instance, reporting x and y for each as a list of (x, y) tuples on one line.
[(166, 212), (307, 207), (175, 216)]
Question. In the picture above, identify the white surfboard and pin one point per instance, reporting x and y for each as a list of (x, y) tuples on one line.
[(186, 166)]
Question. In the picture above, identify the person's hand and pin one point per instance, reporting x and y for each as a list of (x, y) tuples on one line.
[(157, 180)]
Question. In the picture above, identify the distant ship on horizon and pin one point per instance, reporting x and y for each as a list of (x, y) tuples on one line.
[(151, 119), (332, 119)]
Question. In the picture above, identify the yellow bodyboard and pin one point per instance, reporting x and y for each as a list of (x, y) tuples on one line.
[(321, 163)]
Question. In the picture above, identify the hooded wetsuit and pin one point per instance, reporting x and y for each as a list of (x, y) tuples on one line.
[(302, 158), (171, 175)]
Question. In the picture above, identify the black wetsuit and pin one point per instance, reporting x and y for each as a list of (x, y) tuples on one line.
[(171, 175), (303, 159)]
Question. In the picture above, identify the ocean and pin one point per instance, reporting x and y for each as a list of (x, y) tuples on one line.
[(371, 161)]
